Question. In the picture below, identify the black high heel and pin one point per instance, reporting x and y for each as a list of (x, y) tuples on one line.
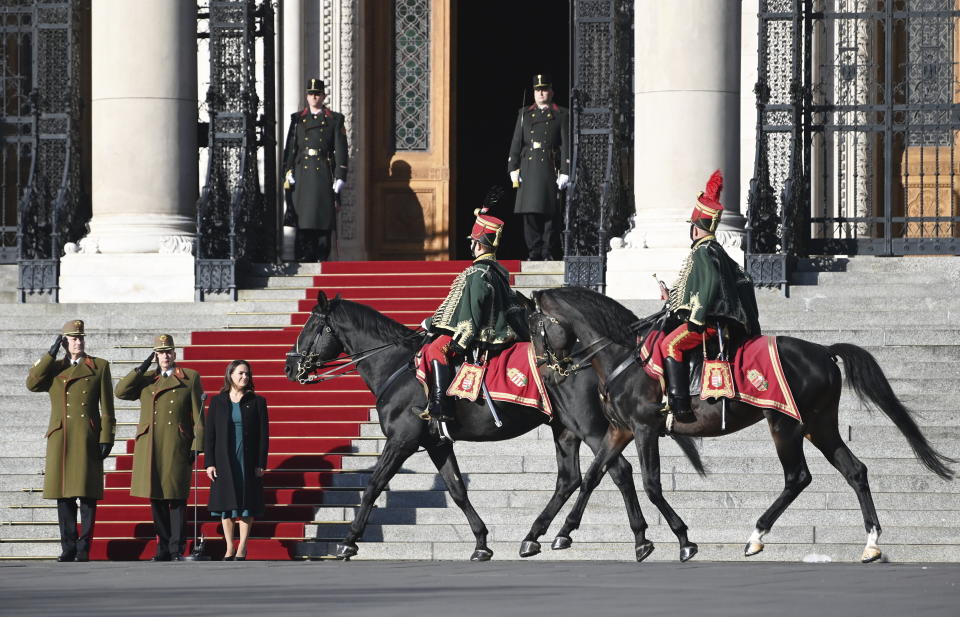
[(230, 558)]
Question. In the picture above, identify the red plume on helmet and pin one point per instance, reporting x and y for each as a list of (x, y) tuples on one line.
[(708, 209)]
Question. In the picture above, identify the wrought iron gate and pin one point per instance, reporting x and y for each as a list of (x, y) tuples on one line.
[(600, 195), (236, 221), (857, 131), (41, 199)]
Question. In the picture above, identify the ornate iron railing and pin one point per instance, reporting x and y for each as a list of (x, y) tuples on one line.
[(236, 221), (600, 195), (46, 105)]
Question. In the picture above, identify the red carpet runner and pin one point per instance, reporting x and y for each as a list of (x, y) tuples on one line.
[(311, 427)]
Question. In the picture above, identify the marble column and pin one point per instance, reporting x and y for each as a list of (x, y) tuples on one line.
[(144, 157), (292, 94), (687, 120)]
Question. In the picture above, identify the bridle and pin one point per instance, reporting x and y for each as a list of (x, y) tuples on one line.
[(307, 361), (566, 365)]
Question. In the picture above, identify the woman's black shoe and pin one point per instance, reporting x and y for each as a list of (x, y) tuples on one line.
[(230, 558)]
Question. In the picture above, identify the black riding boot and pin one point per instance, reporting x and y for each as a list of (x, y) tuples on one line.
[(678, 390), (439, 404)]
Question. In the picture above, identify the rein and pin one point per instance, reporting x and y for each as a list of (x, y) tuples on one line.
[(338, 367)]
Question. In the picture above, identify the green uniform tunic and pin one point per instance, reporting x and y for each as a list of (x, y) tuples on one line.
[(540, 149), (171, 425), (712, 286), (479, 311), (81, 418), (316, 153)]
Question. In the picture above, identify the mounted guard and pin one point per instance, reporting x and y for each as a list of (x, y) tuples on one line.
[(711, 292), (474, 321)]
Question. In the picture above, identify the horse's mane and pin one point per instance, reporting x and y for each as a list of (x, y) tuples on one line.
[(373, 321), (609, 317)]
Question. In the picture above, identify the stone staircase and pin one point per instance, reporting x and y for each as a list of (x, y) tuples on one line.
[(903, 310)]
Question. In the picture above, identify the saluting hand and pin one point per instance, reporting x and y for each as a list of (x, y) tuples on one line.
[(146, 363), (55, 348), (212, 473)]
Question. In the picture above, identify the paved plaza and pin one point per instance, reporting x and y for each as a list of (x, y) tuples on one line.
[(463, 589)]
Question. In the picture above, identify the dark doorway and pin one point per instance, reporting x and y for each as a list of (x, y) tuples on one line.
[(500, 45)]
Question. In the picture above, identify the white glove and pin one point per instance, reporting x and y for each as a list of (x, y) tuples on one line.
[(337, 185), (423, 324), (515, 178), (562, 181), (289, 178)]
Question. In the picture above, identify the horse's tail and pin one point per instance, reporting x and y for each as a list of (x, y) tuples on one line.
[(689, 447), (866, 378)]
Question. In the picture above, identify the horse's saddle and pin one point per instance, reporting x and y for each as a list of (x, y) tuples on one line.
[(510, 376)]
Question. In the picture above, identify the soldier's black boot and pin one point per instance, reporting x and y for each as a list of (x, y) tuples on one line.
[(678, 390), (439, 404)]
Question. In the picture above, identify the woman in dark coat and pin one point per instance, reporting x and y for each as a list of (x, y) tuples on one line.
[(235, 447)]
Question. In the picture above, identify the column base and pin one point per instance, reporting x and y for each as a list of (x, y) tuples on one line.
[(127, 277)]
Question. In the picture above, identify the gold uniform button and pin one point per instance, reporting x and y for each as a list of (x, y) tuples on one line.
[(68, 415), (83, 415), (169, 422)]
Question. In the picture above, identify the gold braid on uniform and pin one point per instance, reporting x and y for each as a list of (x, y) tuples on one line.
[(445, 312), (680, 286)]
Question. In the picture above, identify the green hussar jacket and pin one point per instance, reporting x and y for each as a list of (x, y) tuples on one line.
[(81, 418), (171, 425), (478, 311), (712, 286)]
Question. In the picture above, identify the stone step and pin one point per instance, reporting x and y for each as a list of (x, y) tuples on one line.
[(947, 265), (597, 533)]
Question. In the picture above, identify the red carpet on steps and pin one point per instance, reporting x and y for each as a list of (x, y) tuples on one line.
[(311, 427)]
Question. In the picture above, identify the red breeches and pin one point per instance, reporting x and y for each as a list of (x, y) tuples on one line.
[(681, 339), (438, 350)]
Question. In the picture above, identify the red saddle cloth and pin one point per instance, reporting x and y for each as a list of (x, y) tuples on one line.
[(511, 376), (757, 374)]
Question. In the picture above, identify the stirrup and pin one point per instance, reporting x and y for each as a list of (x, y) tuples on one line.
[(438, 428)]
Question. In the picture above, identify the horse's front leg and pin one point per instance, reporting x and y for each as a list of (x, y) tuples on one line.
[(613, 444), (394, 454), (444, 458), (568, 480), (648, 448)]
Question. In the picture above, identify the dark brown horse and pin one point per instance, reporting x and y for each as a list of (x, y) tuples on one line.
[(572, 317), (383, 351)]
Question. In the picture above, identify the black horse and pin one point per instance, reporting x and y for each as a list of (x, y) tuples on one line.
[(383, 351), (633, 403)]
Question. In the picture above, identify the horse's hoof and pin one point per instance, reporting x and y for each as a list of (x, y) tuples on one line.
[(529, 548), (752, 548), (687, 552), (346, 551), (643, 550), (870, 554), (561, 542), (481, 554)]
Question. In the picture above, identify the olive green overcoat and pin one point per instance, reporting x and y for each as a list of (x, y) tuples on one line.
[(171, 425), (81, 418)]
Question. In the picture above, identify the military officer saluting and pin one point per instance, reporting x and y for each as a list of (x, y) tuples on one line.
[(315, 160), (169, 435), (539, 165), (79, 436)]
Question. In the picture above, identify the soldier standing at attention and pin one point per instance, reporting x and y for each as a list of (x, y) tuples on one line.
[(539, 165), (169, 435), (315, 160), (79, 436)]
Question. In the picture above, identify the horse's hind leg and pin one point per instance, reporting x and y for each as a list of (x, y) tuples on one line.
[(648, 447), (388, 464), (568, 480), (827, 439), (613, 444), (446, 461), (622, 475), (788, 439)]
